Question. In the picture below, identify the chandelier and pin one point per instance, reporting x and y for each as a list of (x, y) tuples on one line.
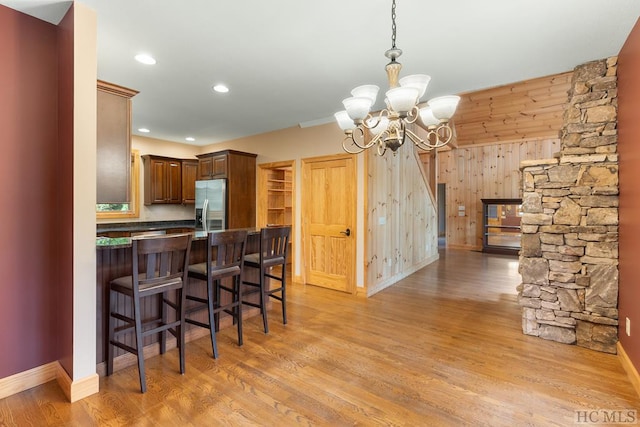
[(388, 129)]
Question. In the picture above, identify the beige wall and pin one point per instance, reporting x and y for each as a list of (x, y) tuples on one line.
[(160, 147)]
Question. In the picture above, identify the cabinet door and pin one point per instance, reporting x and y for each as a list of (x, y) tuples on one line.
[(219, 166), (189, 176), (174, 182), (205, 168), (158, 182), (241, 190)]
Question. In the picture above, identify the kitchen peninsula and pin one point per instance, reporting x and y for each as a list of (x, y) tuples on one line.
[(114, 260)]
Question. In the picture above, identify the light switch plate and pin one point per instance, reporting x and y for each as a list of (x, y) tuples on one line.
[(628, 327)]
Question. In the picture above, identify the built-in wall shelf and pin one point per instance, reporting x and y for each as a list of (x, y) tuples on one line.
[(276, 196)]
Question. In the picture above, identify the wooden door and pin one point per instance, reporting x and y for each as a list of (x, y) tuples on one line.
[(329, 221)]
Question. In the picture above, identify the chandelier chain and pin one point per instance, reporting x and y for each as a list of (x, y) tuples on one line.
[(393, 24)]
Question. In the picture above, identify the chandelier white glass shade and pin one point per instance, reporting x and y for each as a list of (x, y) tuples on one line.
[(388, 128)]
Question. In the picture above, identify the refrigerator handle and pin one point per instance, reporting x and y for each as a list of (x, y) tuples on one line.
[(205, 208)]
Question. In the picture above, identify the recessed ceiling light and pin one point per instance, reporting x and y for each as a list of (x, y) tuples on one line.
[(190, 139), (220, 88), (144, 130), (145, 59)]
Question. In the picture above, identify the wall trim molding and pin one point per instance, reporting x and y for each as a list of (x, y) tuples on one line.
[(28, 379), (78, 389), (628, 366), (371, 290)]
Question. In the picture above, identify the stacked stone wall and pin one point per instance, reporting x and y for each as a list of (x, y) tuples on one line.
[(569, 256)]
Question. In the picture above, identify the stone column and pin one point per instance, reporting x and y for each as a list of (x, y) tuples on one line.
[(569, 256)]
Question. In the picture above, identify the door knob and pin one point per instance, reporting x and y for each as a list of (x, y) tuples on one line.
[(347, 232)]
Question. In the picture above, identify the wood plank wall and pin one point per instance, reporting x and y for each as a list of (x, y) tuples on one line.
[(496, 129), (474, 173), (522, 111), (402, 228)]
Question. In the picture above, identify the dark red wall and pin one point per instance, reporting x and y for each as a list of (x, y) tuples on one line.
[(64, 187), (30, 258), (629, 149)]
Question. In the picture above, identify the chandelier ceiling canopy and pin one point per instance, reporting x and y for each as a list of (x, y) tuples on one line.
[(388, 128)]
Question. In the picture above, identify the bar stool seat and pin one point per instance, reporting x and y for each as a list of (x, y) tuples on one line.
[(159, 265), (222, 271)]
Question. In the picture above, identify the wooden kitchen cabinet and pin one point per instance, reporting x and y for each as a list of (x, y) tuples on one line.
[(212, 166), (239, 169), (189, 176), (162, 180)]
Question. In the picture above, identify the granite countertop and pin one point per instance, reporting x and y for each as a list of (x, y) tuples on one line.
[(125, 242), (144, 225)]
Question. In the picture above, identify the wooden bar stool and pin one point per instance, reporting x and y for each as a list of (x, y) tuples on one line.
[(222, 272), (159, 265), (274, 250)]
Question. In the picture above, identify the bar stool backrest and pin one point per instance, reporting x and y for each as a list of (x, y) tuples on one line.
[(274, 245), (226, 252), (164, 258)]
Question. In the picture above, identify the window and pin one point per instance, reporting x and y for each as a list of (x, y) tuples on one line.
[(125, 210)]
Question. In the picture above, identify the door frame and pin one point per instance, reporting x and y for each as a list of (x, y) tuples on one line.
[(305, 206)]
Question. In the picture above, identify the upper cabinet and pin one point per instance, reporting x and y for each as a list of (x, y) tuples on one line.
[(113, 143), (162, 180), (239, 169), (212, 166)]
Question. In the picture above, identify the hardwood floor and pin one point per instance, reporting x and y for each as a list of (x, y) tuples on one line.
[(441, 347)]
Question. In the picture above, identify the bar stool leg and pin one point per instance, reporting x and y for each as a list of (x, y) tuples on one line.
[(163, 334), (212, 317), (112, 324), (139, 344), (264, 299), (180, 329), (284, 296), (238, 308)]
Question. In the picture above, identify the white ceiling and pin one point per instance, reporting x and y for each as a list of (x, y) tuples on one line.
[(291, 62)]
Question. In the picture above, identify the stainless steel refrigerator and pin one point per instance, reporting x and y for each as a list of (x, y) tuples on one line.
[(211, 201)]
